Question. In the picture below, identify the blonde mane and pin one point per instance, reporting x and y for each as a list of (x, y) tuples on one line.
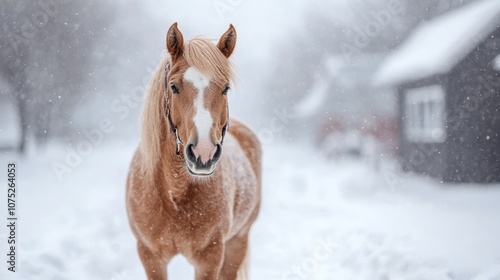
[(200, 53)]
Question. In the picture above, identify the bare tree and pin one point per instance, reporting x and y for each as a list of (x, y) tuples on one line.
[(14, 57), (47, 50)]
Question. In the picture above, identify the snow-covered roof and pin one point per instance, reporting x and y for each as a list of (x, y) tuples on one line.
[(436, 46)]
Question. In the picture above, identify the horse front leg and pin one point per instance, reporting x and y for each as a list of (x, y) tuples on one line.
[(154, 264), (235, 254), (208, 261)]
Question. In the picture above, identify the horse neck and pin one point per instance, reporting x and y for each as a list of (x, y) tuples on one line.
[(172, 171)]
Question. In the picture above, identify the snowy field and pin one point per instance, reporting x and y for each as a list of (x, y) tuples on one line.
[(319, 220)]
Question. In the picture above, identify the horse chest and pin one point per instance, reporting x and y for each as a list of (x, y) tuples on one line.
[(195, 221)]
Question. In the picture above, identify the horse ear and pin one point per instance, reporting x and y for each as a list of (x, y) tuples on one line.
[(175, 41), (228, 41)]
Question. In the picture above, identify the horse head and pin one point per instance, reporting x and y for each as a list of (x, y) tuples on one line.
[(197, 81)]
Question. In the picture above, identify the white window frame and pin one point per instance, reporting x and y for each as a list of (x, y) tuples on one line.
[(425, 114)]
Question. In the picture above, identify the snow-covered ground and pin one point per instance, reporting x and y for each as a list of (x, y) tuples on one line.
[(319, 220)]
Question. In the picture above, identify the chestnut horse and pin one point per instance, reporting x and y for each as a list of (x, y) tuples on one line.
[(184, 194)]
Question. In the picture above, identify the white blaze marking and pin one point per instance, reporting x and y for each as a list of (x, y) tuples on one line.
[(202, 117)]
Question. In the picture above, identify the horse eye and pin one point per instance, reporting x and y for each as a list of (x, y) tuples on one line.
[(226, 89), (174, 89)]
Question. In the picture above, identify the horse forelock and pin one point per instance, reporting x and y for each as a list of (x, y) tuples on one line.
[(203, 55)]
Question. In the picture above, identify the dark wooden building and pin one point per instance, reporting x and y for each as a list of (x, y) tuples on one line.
[(447, 75)]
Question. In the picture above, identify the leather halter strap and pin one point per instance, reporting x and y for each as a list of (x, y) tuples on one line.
[(173, 128)]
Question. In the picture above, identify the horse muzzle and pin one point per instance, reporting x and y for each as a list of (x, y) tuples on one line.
[(202, 158)]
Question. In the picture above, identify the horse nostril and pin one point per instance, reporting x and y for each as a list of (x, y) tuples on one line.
[(190, 153), (218, 153)]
